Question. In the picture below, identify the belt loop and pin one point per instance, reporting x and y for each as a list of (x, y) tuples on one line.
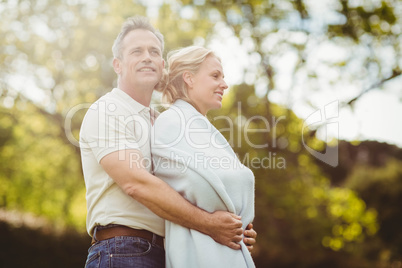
[(153, 239), (94, 236)]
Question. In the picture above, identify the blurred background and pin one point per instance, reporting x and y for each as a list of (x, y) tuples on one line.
[(315, 96)]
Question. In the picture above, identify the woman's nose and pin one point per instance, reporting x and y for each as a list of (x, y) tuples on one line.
[(224, 85)]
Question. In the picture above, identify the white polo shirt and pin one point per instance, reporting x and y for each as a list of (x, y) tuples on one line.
[(113, 123)]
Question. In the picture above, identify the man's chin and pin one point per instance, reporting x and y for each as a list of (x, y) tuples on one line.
[(146, 80)]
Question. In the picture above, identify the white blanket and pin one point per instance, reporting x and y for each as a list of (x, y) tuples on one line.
[(192, 156)]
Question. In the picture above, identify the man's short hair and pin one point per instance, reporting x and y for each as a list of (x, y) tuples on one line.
[(131, 24)]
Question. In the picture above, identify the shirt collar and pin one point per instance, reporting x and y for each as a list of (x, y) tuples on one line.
[(135, 105)]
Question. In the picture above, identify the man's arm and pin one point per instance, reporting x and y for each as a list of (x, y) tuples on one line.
[(224, 227)]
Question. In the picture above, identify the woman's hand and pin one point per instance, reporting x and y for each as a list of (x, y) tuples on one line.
[(250, 236)]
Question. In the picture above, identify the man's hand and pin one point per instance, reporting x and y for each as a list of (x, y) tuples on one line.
[(249, 237), (226, 229)]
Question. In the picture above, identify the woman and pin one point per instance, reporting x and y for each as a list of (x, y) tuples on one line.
[(192, 156)]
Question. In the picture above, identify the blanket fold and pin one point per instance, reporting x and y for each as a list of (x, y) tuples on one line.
[(193, 157)]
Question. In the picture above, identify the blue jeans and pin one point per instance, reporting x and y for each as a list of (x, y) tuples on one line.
[(124, 252)]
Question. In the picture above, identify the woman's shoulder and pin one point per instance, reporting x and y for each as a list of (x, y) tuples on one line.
[(170, 116), (169, 126), (178, 112)]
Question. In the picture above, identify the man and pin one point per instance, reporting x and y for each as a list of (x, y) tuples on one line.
[(126, 203)]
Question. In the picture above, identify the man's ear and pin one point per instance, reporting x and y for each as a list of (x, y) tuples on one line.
[(117, 65), (188, 78)]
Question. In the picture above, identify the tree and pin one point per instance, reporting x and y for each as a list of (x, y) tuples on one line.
[(381, 188), (273, 29)]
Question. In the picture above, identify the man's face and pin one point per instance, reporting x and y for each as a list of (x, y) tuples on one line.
[(142, 63)]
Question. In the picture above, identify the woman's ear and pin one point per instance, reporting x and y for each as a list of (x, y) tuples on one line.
[(188, 78)]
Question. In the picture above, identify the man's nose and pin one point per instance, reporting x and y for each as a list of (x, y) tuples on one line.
[(146, 56)]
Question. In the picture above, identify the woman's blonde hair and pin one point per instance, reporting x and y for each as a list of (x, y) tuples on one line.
[(181, 60)]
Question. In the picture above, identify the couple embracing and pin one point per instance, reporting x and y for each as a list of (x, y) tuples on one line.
[(192, 214)]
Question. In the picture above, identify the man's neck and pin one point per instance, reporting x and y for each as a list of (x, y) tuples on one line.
[(141, 95)]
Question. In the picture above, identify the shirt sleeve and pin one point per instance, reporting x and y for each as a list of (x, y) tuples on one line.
[(105, 130)]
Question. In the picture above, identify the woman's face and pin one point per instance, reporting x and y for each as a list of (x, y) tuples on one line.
[(206, 87)]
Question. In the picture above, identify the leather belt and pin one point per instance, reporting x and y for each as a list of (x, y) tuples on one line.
[(111, 232)]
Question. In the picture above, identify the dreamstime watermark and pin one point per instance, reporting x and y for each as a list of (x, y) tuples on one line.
[(109, 128)]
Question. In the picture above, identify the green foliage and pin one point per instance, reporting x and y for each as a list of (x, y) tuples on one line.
[(381, 188), (186, 30), (40, 173), (368, 19)]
